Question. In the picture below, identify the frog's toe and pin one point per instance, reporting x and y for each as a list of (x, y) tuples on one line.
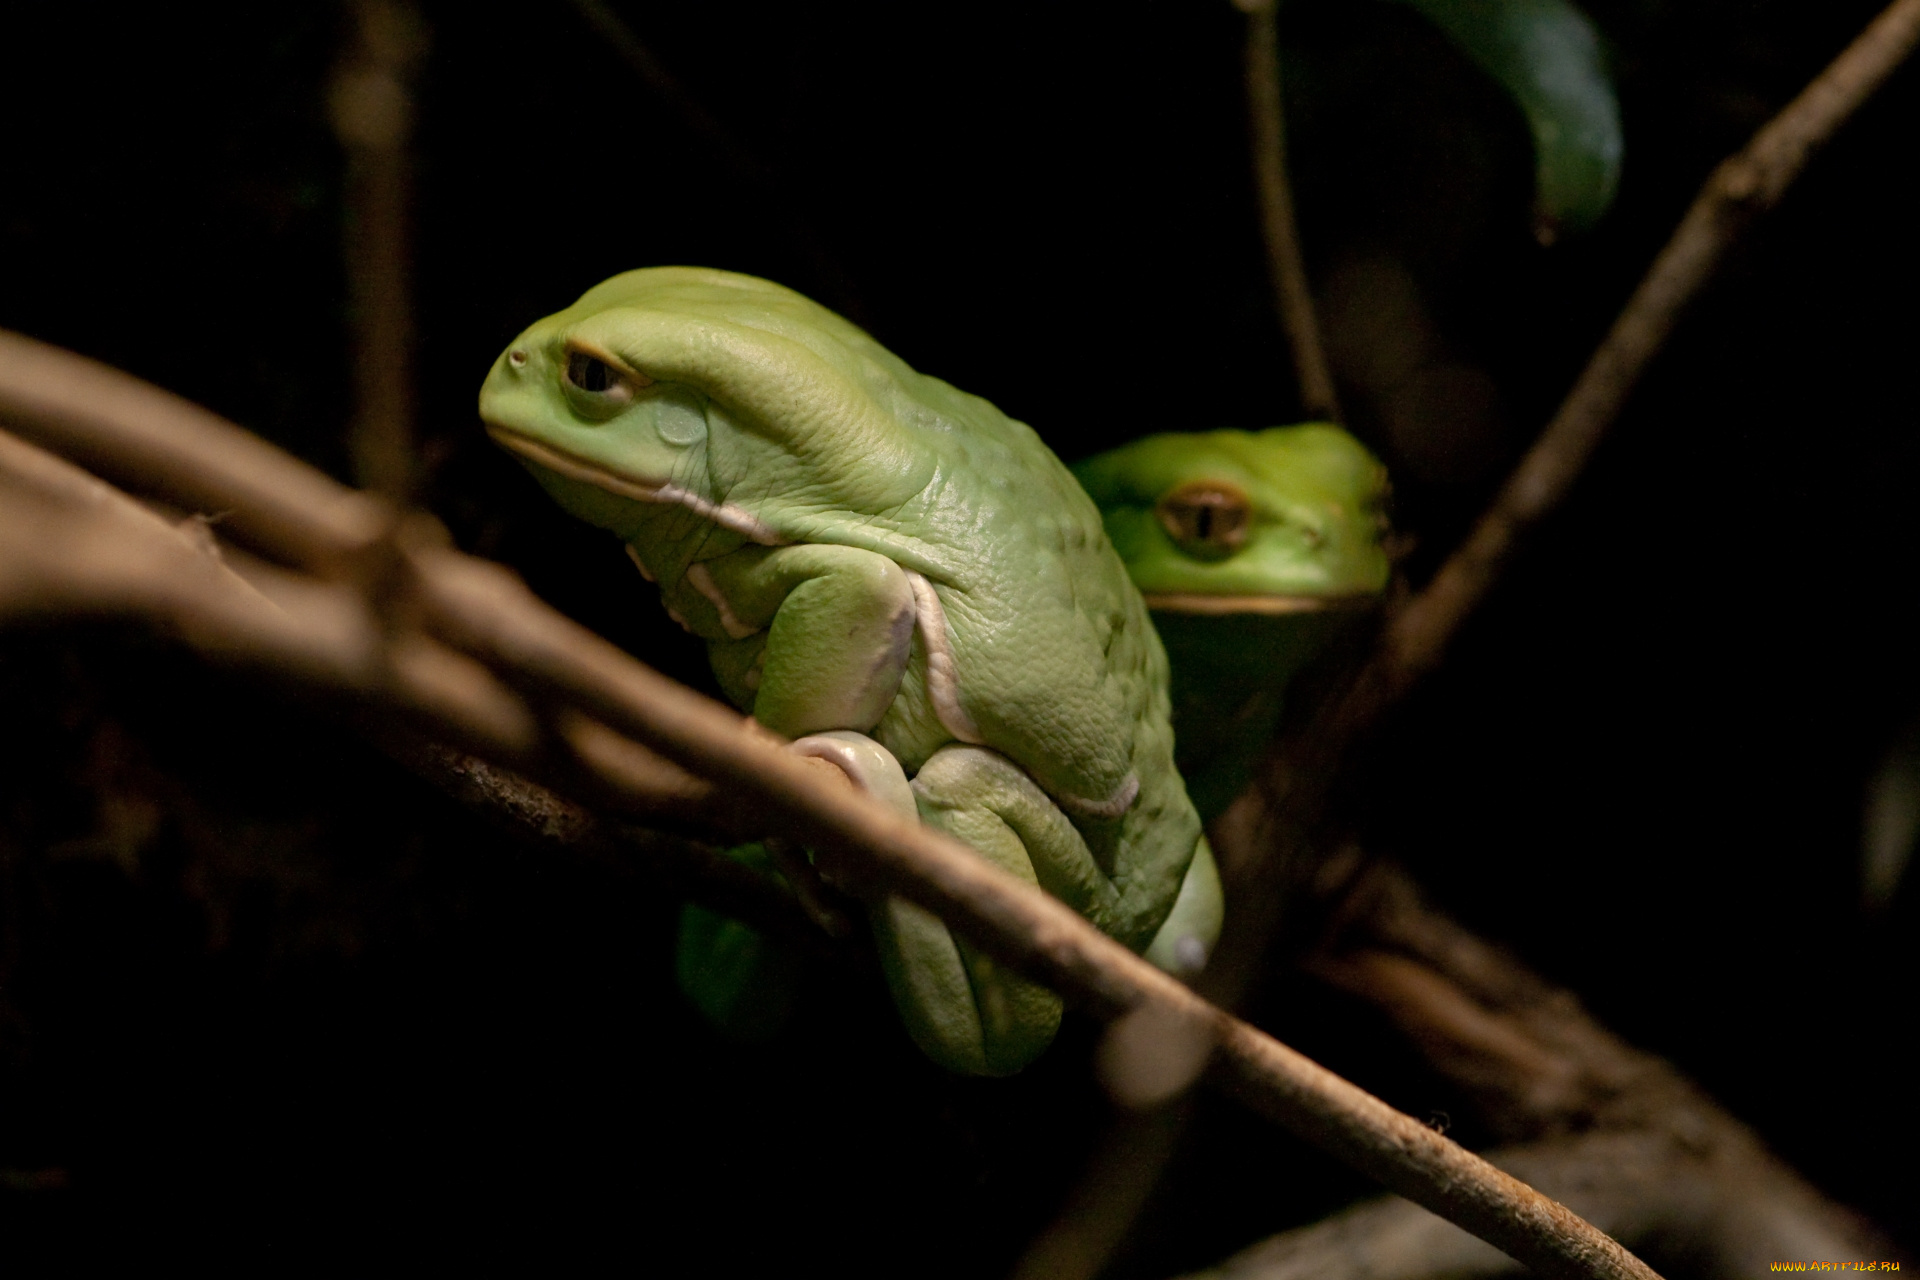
[(1186, 939), (868, 765)]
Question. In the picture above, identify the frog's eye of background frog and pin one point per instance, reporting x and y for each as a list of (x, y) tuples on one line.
[(596, 386), (1208, 519)]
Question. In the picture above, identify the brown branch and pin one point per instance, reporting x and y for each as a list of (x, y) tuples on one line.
[(1743, 187), (1278, 227), (372, 108), (555, 667), (1617, 1134), (1648, 1189), (1264, 837), (1267, 831), (670, 865)]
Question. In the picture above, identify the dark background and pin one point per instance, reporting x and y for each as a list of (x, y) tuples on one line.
[(263, 996)]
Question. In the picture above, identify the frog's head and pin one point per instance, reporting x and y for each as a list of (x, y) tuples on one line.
[(1285, 520), (689, 389)]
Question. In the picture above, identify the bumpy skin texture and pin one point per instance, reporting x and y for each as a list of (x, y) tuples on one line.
[(867, 548), (1241, 615)]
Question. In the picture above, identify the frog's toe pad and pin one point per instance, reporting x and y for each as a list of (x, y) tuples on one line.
[(868, 765), (1186, 940)]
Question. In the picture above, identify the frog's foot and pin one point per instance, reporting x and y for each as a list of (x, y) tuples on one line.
[(866, 766), (1186, 939), (961, 1008), (869, 766)]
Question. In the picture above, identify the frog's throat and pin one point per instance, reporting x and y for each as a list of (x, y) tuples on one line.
[(724, 514), (1225, 603), (943, 687)]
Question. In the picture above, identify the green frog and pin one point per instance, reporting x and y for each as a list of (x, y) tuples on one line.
[(901, 580), (1252, 549)]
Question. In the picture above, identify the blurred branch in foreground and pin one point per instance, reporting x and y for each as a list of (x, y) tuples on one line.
[(376, 607)]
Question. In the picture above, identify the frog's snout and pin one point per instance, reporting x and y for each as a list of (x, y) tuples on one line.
[(517, 358)]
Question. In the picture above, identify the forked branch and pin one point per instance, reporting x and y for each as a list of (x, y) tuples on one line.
[(458, 644)]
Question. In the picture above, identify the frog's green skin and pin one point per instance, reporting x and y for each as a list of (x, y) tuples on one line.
[(1241, 614), (866, 548)]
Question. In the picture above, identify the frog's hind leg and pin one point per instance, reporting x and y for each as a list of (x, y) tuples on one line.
[(965, 1011)]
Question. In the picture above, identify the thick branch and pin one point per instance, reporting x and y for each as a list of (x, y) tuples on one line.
[(1278, 227), (485, 612)]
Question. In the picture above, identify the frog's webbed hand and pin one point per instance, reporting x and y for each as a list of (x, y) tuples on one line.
[(839, 625), (964, 1010)]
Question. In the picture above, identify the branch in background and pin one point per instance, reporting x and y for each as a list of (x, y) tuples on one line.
[(1109, 1197), (1263, 841), (1618, 1135), (1268, 130), (1743, 187), (371, 104), (463, 651), (1267, 831)]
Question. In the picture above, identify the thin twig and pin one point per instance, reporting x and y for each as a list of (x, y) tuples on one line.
[(487, 614), (1743, 187), (1280, 230)]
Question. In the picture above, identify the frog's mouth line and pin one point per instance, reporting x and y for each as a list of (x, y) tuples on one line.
[(574, 467), (1219, 605)]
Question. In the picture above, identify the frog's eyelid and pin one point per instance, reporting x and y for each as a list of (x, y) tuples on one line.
[(578, 346)]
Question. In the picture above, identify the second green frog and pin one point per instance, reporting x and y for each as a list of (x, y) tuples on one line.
[(1252, 549)]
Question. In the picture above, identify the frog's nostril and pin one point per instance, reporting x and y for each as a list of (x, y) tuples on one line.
[(517, 358)]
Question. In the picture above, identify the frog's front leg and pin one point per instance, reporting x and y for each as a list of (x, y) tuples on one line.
[(838, 625), (967, 1012)]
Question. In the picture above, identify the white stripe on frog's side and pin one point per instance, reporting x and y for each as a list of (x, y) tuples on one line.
[(724, 514), (633, 554), (702, 579), (943, 678)]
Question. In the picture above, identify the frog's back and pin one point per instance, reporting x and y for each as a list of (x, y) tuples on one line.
[(1054, 661), (1058, 665)]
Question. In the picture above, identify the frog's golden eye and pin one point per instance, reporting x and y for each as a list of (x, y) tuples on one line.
[(1209, 519)]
